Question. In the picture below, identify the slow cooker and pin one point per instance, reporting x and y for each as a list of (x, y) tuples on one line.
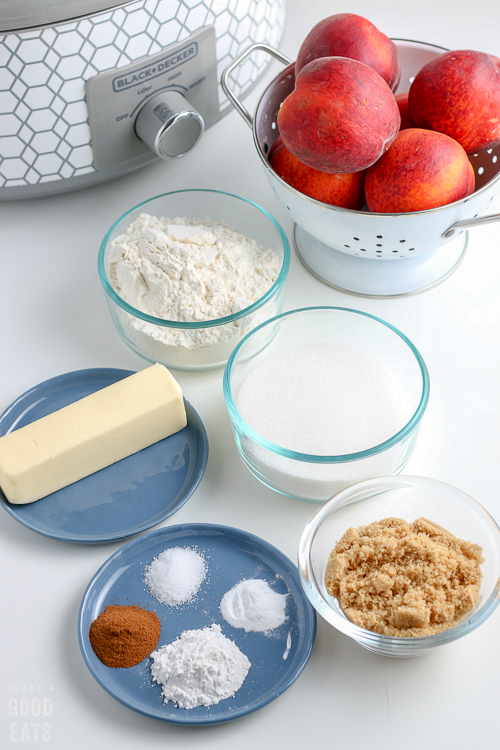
[(92, 89)]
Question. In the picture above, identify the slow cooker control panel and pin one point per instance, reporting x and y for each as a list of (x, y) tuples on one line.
[(162, 103)]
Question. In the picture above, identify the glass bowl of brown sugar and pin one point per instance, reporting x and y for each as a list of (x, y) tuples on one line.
[(401, 564)]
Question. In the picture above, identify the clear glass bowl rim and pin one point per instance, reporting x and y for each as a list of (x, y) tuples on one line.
[(271, 292), (311, 458), (368, 637)]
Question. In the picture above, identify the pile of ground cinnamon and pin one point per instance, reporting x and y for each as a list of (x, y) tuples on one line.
[(403, 579), (122, 636)]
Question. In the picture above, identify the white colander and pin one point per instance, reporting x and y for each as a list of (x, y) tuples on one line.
[(346, 248)]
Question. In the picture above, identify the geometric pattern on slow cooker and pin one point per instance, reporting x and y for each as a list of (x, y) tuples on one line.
[(44, 127)]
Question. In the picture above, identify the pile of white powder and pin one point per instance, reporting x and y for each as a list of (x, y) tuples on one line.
[(254, 606), (175, 575), (189, 270), (200, 668)]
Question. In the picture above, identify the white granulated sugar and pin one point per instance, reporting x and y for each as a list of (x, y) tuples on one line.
[(175, 575), (189, 270), (200, 668), (324, 399), (254, 606)]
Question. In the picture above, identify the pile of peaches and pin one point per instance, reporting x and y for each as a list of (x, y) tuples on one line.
[(346, 139)]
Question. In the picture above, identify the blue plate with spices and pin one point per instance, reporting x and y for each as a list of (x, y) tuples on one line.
[(277, 657), (123, 499)]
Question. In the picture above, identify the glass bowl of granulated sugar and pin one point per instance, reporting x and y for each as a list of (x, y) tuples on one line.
[(401, 564), (323, 397), (188, 274)]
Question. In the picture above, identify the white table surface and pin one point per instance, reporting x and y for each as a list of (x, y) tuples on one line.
[(55, 319)]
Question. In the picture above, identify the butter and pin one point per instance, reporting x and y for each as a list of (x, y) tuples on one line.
[(90, 434)]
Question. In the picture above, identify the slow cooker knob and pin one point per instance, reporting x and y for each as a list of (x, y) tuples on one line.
[(169, 125)]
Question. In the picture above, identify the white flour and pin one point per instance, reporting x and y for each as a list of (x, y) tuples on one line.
[(253, 605), (200, 668), (189, 270)]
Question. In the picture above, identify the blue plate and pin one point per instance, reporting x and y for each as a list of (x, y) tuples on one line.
[(232, 555), (123, 499)]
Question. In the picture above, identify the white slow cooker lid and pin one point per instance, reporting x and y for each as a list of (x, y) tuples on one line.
[(22, 15)]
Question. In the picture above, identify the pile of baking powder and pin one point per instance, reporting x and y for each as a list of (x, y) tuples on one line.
[(190, 270)]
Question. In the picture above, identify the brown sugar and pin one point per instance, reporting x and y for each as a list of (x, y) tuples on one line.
[(402, 579)]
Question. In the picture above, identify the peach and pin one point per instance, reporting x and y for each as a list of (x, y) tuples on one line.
[(402, 102), (421, 170), (341, 116), (458, 93), (345, 190), (349, 35)]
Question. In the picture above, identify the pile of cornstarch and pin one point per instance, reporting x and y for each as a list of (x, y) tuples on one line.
[(189, 270), (175, 575), (200, 668), (254, 606)]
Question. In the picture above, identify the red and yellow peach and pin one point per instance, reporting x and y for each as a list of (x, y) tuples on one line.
[(421, 170), (345, 190), (341, 117)]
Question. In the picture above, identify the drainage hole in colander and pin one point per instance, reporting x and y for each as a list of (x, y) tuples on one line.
[(356, 238), (402, 240), (266, 148), (347, 246), (363, 250), (395, 251), (410, 249), (378, 244), (379, 236), (495, 159), (480, 170)]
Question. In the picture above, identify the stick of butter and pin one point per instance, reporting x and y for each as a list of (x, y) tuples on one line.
[(89, 434)]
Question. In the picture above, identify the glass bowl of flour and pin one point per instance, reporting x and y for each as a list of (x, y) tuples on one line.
[(323, 397), (188, 274)]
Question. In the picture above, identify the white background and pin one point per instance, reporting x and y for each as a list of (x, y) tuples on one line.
[(55, 319)]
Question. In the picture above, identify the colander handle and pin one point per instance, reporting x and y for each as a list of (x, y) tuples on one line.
[(236, 62), (467, 223)]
